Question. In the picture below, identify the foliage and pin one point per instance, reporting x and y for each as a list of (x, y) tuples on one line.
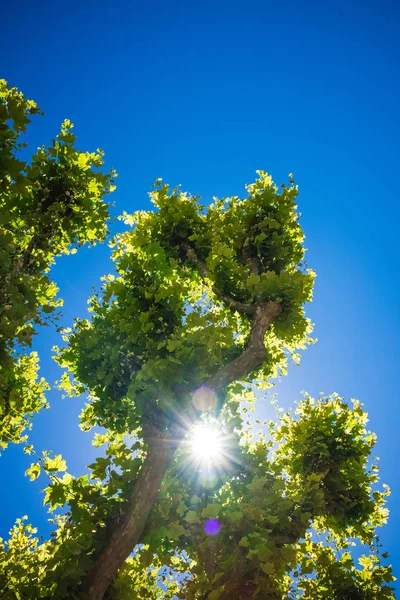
[(267, 508), (205, 309), (159, 326), (49, 206), (279, 537)]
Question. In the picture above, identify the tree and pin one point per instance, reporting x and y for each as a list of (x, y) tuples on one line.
[(205, 308), (49, 206)]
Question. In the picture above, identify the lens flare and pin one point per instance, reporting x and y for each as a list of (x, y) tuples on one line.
[(206, 443), (210, 451), (204, 398), (212, 526)]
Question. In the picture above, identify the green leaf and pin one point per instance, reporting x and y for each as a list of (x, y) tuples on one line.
[(192, 517), (263, 553), (195, 500), (211, 511), (55, 495), (288, 554), (175, 531), (99, 467), (234, 516), (55, 464), (181, 509), (33, 471), (267, 567)]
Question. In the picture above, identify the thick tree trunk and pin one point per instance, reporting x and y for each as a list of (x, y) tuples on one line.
[(129, 529)]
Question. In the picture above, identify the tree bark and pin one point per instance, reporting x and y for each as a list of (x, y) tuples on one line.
[(254, 354), (129, 529)]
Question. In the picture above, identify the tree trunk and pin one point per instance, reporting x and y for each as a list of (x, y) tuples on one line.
[(126, 535)]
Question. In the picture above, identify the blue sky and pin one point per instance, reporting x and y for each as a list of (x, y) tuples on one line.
[(203, 95)]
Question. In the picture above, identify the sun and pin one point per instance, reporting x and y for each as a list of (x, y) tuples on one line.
[(207, 443)]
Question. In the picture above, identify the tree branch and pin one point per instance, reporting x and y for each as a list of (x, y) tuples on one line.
[(203, 272), (254, 354), (251, 260)]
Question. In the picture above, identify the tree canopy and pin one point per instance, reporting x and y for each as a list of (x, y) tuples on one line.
[(49, 205), (206, 306)]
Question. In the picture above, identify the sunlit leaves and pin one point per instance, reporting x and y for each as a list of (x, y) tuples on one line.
[(34, 471), (49, 206), (267, 506), (211, 511), (163, 325), (289, 501), (55, 464), (26, 395), (324, 567), (329, 440)]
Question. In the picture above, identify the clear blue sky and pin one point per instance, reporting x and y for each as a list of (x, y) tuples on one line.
[(203, 94)]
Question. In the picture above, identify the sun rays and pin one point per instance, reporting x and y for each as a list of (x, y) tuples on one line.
[(206, 443)]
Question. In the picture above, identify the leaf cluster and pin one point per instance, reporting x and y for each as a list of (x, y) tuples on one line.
[(49, 205), (171, 318), (181, 308), (280, 534)]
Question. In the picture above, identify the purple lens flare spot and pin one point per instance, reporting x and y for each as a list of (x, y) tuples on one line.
[(212, 526)]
